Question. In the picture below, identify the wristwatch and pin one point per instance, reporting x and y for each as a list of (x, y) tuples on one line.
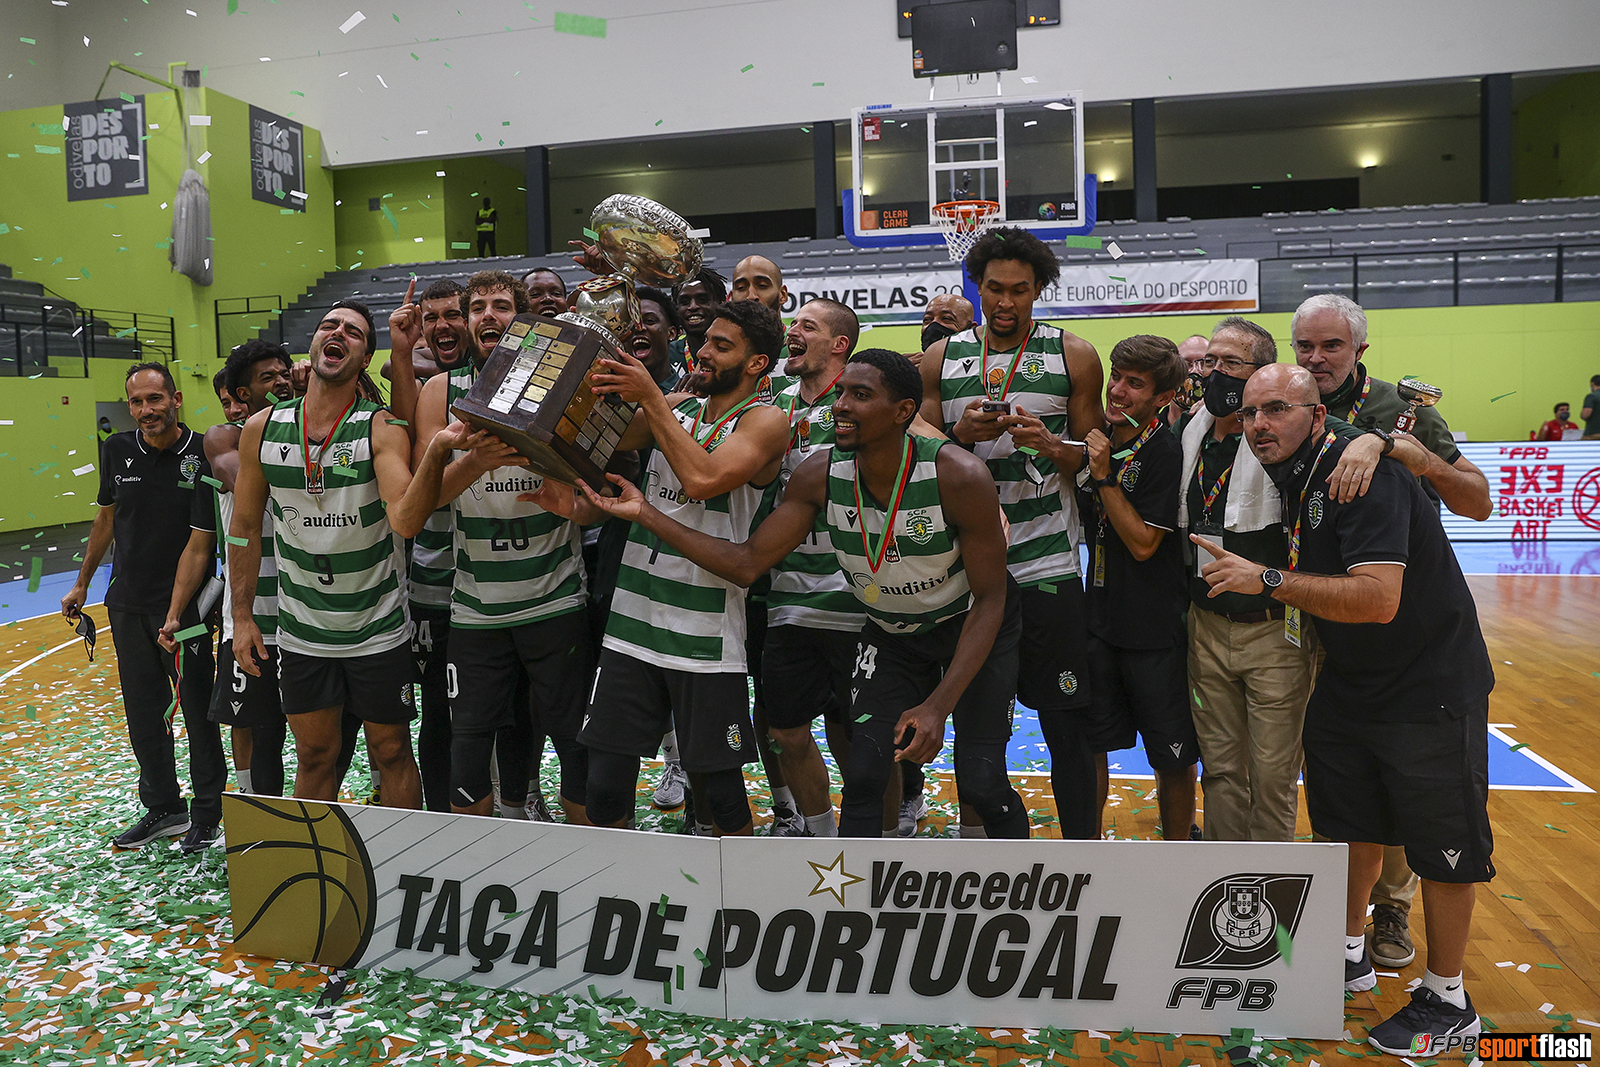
[(1101, 483), (1271, 579), (1386, 437)]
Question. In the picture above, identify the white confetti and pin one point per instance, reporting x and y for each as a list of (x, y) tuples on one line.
[(86, 42), (1115, 250), (381, 81), (266, 59), (189, 11), (1523, 967), (699, 234), (418, 240), (1507, 963), (352, 22), (199, 120), (85, 469), (203, 157), (1030, 81), (1546, 1006), (421, 132), (7, 422), (154, 125)]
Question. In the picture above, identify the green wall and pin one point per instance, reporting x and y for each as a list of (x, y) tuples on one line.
[(414, 231), (39, 451), (113, 254), (467, 181), (1537, 353), (1556, 140)]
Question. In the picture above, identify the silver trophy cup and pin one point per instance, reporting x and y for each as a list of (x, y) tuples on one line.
[(1417, 394)]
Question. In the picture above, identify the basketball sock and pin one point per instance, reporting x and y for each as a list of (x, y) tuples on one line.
[(822, 825), (1354, 947), (781, 794), (513, 810), (973, 832), (704, 829), (1449, 990), (243, 775), (669, 745)]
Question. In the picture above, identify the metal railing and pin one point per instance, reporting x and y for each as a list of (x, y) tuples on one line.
[(246, 318), (36, 338)]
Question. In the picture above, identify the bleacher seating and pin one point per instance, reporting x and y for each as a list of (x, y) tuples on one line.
[(51, 334)]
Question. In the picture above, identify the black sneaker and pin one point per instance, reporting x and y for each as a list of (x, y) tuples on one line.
[(200, 837), (151, 827), (1425, 1026), (1359, 975)]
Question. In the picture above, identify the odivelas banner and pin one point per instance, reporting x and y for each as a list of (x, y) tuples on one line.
[(1226, 286), (1542, 491), (1163, 937)]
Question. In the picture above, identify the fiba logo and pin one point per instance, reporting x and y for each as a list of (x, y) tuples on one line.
[(1235, 921)]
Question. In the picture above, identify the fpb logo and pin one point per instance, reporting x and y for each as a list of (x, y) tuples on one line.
[(1235, 921)]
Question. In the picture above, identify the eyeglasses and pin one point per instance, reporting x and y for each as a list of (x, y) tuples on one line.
[(87, 630), (1272, 409), (1232, 366)]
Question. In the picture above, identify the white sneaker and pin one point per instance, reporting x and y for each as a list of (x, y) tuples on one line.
[(912, 811), (786, 821), (669, 794), (537, 809)]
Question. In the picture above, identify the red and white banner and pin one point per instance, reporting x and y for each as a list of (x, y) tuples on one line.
[(1545, 491)]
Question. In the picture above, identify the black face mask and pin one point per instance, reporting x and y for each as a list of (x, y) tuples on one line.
[(1292, 471), (934, 332), (1223, 394)]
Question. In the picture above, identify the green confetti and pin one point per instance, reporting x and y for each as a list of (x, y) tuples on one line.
[(193, 631), (1508, 896), (1523, 744), (864, 716), (1285, 945), (1502, 396), (816, 85), (747, 68), (1116, 277), (659, 121), (397, 422), (416, 57), (35, 574), (27, 40), (1558, 830), (212, 482), (1082, 242), (466, 245), (125, 333), (661, 906), (128, 98), (689, 876), (590, 234), (1551, 966), (47, 150), (581, 25), (233, 6), (232, 540)]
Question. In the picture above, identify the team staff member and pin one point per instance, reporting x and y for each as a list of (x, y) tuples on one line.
[(1590, 412), (257, 377), (1397, 727), (1010, 391), (518, 606), (333, 467), (153, 504), (915, 526), (1250, 677), (487, 217), (1138, 678)]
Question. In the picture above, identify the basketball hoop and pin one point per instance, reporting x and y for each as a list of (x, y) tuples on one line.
[(962, 222)]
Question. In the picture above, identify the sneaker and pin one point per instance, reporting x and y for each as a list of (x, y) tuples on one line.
[(1425, 1026), (912, 811), (538, 810), (151, 827), (674, 783), (1390, 941), (1359, 975), (373, 800), (200, 837), (786, 821), (1195, 833)]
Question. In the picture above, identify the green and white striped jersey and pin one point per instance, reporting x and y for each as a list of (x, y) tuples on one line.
[(432, 571), (265, 610), (667, 611), (339, 563), (808, 588), (515, 562), (922, 581), (1038, 501)]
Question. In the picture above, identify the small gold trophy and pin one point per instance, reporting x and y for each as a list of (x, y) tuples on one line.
[(1418, 394)]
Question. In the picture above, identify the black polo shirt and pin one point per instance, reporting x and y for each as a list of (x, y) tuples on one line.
[(1141, 604), (1266, 547), (159, 499), (1429, 662)]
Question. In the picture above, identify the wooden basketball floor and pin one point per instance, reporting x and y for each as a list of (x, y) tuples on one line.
[(123, 958)]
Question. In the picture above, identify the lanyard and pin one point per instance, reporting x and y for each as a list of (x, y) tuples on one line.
[(875, 555), (1005, 387), (1294, 535), (1208, 498), (314, 468), (1355, 409), (708, 441), (794, 428), (1144, 435)]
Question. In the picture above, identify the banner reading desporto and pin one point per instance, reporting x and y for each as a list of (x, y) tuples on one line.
[(1124, 288), (1163, 937), (105, 149)]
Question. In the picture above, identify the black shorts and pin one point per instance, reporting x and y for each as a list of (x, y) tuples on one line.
[(1424, 785), (240, 699), (896, 672), (1142, 691), (430, 645), (553, 655), (633, 703), (1053, 665), (375, 688), (755, 644), (807, 673)]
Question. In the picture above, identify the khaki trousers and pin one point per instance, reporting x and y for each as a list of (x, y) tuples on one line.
[(1250, 688)]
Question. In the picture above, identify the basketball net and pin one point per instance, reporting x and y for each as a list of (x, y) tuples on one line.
[(962, 222)]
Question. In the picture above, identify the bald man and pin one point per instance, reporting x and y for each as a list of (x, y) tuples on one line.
[(758, 278), (947, 315)]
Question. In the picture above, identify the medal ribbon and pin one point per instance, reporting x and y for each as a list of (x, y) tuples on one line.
[(903, 478), (314, 470), (794, 430), (711, 435), (1006, 385), (1294, 535)]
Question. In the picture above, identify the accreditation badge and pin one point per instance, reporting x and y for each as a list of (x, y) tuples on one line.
[(1291, 626), (1099, 565), (1210, 532)]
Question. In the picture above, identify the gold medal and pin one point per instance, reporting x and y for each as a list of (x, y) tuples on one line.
[(871, 593)]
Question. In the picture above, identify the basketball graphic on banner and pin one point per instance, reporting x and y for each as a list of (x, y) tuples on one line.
[(300, 880)]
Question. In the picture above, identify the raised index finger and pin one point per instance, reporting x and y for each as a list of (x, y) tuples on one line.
[(1216, 551), (411, 289)]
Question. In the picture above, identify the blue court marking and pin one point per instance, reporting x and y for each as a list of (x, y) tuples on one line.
[(16, 603)]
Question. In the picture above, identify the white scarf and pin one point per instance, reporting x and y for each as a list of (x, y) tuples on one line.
[(1252, 502)]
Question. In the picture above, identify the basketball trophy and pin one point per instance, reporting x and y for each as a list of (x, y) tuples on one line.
[(1417, 394), (533, 391)]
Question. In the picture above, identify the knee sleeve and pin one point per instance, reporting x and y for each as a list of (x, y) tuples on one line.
[(469, 768), (725, 796), (433, 754), (574, 759), (866, 776), (1074, 775), (981, 782), (613, 780)]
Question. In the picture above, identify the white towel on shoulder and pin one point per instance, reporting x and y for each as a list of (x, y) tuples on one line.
[(1252, 498)]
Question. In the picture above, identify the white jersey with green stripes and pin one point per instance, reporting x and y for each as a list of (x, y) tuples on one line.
[(808, 588), (515, 562), (1038, 501), (432, 569), (668, 611), (265, 610), (339, 564), (922, 580)]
